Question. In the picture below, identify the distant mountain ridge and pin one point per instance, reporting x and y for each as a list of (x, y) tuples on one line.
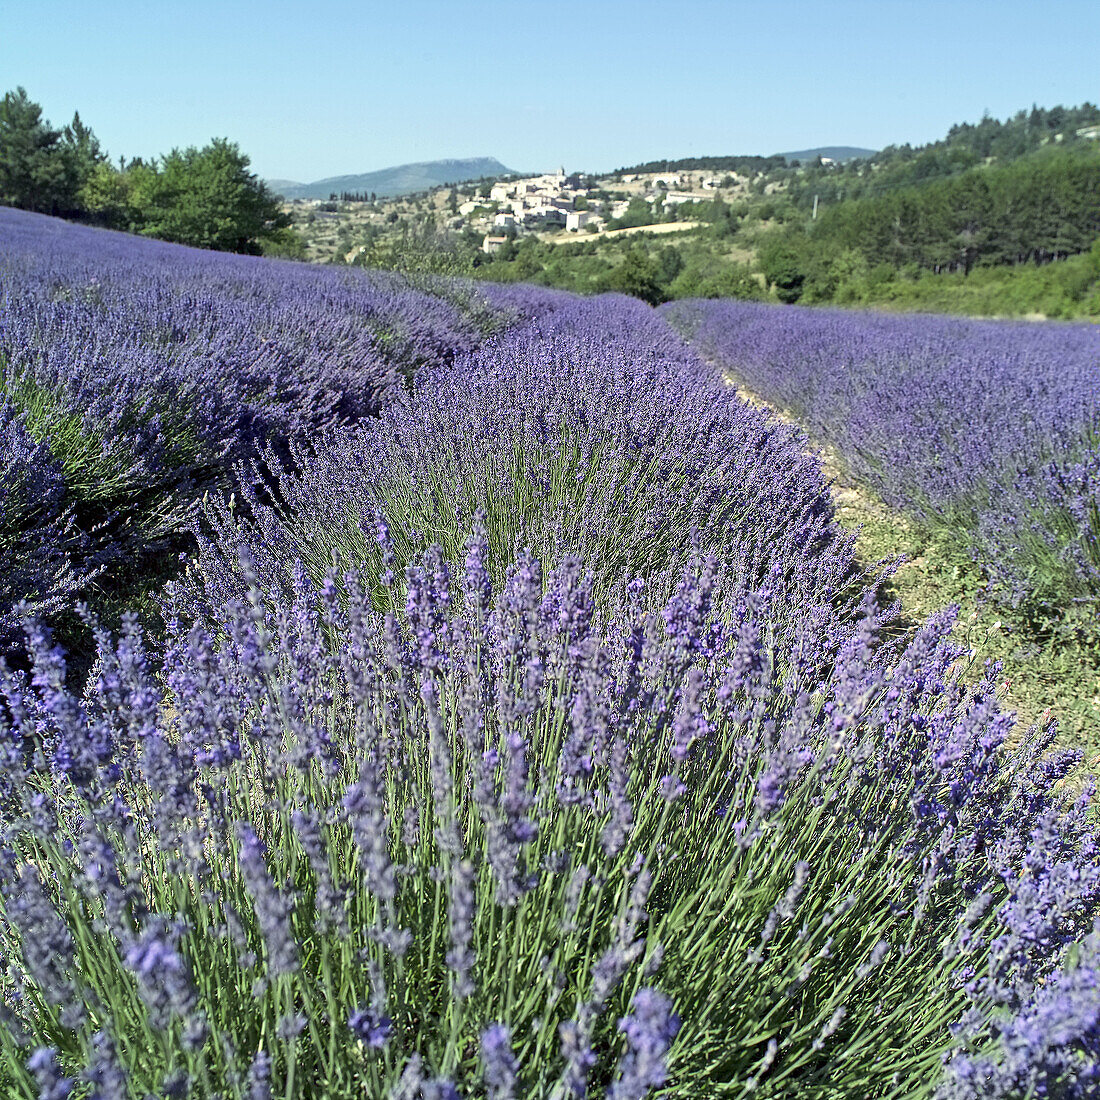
[(402, 179), (830, 152)]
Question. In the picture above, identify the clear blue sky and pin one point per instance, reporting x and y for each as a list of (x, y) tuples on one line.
[(314, 90)]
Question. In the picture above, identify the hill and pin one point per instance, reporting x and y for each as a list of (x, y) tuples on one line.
[(830, 152), (403, 179)]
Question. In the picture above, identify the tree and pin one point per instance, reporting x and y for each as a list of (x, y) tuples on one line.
[(637, 276), (107, 197), (208, 198), (781, 262), (637, 213), (35, 172), (669, 264), (82, 148)]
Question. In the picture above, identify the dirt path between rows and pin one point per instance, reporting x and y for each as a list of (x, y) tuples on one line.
[(658, 229), (855, 504)]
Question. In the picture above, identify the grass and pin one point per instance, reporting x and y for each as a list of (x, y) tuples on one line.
[(1043, 677)]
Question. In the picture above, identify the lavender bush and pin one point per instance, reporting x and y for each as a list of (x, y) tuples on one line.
[(505, 842), (983, 430), (38, 542), (594, 432)]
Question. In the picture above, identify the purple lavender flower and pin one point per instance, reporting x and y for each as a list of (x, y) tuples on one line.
[(259, 1076), (52, 1084), (413, 1085), (461, 912), (371, 1028), (47, 943), (649, 1031), (576, 1050), (498, 1063), (365, 808), (272, 907), (162, 973), (438, 1088), (329, 899), (105, 1072)]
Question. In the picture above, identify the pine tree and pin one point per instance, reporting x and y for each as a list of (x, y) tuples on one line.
[(35, 171)]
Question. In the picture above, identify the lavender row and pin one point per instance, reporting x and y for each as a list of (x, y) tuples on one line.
[(289, 346), (592, 430), (987, 429), (140, 371)]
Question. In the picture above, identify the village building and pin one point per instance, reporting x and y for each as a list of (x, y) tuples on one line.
[(541, 216), (676, 198)]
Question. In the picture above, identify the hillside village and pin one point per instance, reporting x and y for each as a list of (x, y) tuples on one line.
[(804, 226), (575, 203), (556, 206), (489, 214)]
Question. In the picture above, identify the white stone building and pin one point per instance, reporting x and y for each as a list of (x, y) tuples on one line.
[(576, 220)]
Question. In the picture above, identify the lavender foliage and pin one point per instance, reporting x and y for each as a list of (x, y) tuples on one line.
[(986, 430)]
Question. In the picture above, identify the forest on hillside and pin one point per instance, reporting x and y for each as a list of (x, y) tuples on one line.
[(966, 145)]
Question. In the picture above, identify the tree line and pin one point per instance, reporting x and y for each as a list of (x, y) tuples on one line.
[(742, 165), (966, 145), (204, 197), (1037, 209)]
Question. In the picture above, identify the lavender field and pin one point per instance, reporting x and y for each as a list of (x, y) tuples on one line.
[(508, 715)]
